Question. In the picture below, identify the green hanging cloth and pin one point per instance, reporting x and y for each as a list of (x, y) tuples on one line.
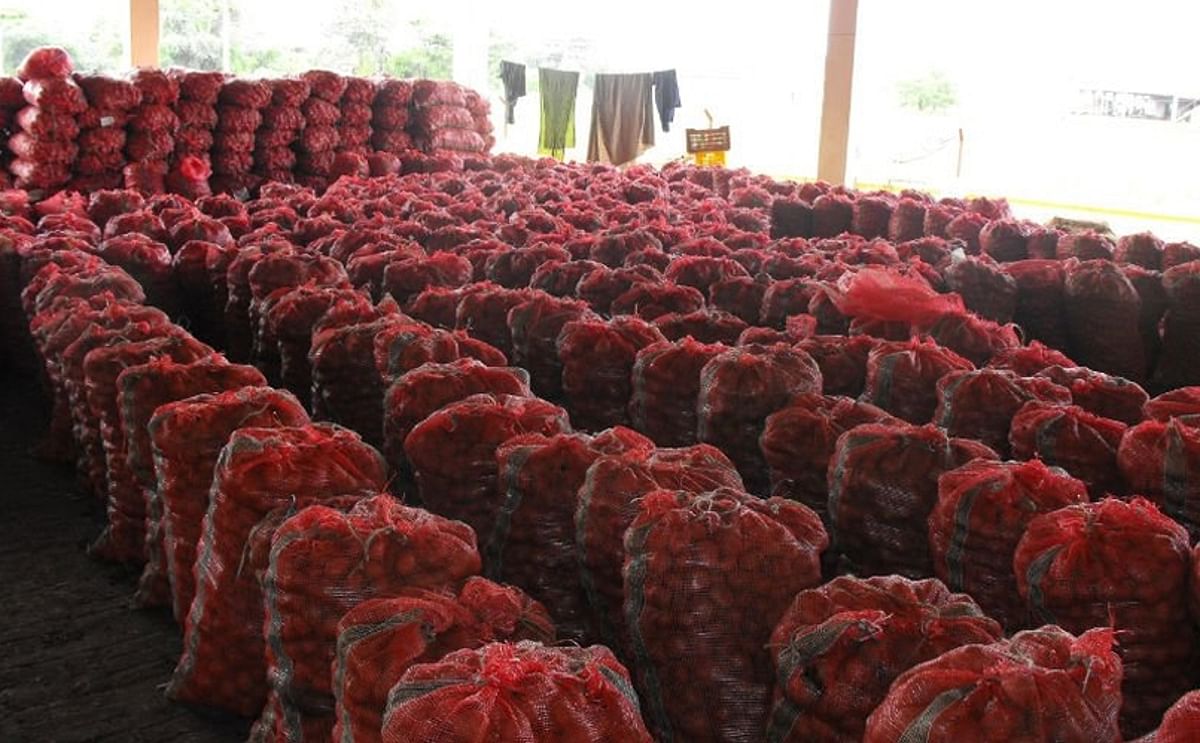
[(558, 112)]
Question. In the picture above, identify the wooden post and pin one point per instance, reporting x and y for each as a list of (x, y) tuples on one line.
[(143, 33), (839, 80)]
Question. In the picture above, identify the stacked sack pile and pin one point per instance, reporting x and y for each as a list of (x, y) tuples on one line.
[(239, 114), (150, 143), (196, 109), (390, 117), (441, 120), (45, 149), (317, 147), (354, 127), (102, 136), (282, 122), (12, 100)]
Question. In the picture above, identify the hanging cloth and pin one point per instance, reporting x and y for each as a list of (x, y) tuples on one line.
[(513, 77), (666, 97), (622, 118), (558, 112)]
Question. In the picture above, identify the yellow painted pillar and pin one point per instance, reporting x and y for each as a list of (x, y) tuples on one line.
[(839, 81), (143, 33)]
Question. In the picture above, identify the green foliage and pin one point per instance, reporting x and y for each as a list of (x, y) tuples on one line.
[(930, 93)]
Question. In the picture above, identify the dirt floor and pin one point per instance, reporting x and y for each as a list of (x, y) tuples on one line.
[(76, 662)]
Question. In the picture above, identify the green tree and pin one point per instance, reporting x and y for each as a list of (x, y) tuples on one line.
[(930, 93)]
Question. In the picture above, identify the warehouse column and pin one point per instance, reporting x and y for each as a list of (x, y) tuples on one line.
[(143, 33), (839, 79)]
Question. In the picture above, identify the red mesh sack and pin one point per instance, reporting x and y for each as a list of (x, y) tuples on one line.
[(45, 124), (1181, 328), (739, 296), (1102, 319), (1178, 253), (318, 112), (283, 118), (154, 117), (396, 141), (1180, 402), (420, 393), (981, 404), (902, 377), (974, 338), (1083, 444), (691, 571), (325, 85), (534, 541), (291, 320), (407, 278), (46, 61), (966, 227), (201, 86), (907, 221), (837, 649), (832, 215), (146, 260), (985, 288), (124, 537), (871, 217), (842, 360), (1041, 300), (882, 488), (55, 96), (258, 470), (347, 386), (1153, 296), (534, 326), (597, 359), (1085, 246), (798, 441), (1157, 459), (33, 176), (1142, 249), (376, 549), (186, 437), (1180, 723), (701, 272), (438, 305), (739, 388), (1005, 240), (142, 390), (198, 300), (982, 510), (42, 150), (666, 388), (601, 287), (607, 505), (1122, 565), (452, 452), (706, 326), (380, 639), (560, 279), (937, 218), (1042, 684), (406, 344), (649, 301), (244, 93), (514, 268), (1026, 361), (1101, 394), (525, 691)]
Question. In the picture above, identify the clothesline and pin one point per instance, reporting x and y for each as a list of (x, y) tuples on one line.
[(622, 109)]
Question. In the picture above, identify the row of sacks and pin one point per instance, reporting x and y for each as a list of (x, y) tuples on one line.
[(191, 131), (264, 529)]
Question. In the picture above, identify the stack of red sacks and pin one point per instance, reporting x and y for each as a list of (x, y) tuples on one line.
[(390, 117), (102, 135), (197, 112), (46, 147), (239, 114), (354, 127), (481, 111), (282, 122), (12, 100), (151, 131), (319, 141), (442, 121)]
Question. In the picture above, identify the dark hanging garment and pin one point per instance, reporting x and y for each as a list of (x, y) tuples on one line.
[(622, 118), (557, 89), (666, 97), (513, 77)]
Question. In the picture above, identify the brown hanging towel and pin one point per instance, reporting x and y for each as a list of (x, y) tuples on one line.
[(622, 118)]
